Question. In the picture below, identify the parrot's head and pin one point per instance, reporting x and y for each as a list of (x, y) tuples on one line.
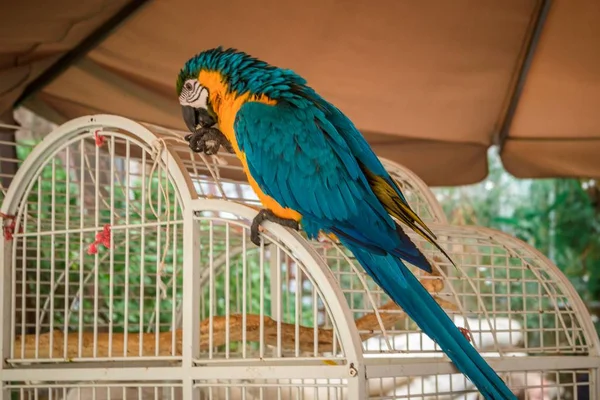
[(194, 99), (215, 74)]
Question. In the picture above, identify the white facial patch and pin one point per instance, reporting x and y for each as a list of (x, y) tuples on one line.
[(193, 94)]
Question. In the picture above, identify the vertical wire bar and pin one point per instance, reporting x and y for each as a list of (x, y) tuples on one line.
[(315, 322), (23, 280), (238, 285), (191, 300), (288, 297), (227, 294), (493, 286), (334, 330), (279, 306), (202, 288), (244, 297), (111, 250), (273, 252), (52, 255), (335, 340), (142, 256), (67, 247), (478, 279), (211, 287), (81, 243), (364, 301), (157, 289), (297, 311), (524, 298), (13, 292), (541, 319), (38, 267), (174, 280), (96, 256), (261, 300), (555, 329), (250, 287), (509, 298), (127, 239)]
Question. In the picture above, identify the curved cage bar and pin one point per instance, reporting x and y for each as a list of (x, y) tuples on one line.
[(97, 249), (509, 297), (129, 247), (96, 233), (282, 292)]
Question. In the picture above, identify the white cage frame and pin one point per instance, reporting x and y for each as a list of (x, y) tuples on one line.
[(352, 371)]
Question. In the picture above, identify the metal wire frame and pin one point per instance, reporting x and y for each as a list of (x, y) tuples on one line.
[(97, 390), (134, 225), (544, 385), (505, 292), (483, 256), (529, 384), (540, 385), (501, 291), (287, 307)]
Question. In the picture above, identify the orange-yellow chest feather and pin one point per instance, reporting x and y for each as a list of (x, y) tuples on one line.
[(226, 105)]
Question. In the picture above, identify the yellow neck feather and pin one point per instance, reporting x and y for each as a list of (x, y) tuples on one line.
[(226, 105)]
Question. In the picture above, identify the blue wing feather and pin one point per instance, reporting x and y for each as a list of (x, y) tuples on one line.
[(322, 179), (319, 176)]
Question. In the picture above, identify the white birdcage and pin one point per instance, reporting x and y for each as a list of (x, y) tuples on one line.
[(128, 272)]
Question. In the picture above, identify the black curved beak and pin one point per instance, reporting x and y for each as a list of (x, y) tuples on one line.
[(195, 118)]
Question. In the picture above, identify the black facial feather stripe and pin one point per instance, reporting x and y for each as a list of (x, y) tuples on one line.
[(196, 93)]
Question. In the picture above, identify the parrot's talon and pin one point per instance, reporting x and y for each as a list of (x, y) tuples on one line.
[(268, 215), (208, 141)]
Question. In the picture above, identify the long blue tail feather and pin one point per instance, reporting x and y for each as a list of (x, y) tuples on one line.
[(405, 249), (392, 275)]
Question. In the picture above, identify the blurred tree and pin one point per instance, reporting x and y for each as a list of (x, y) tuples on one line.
[(559, 217)]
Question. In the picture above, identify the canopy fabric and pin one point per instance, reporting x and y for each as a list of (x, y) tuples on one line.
[(429, 83)]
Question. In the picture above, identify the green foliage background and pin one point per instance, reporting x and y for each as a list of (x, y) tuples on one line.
[(559, 217), (137, 312)]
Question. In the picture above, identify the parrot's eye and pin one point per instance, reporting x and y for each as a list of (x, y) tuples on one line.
[(188, 86)]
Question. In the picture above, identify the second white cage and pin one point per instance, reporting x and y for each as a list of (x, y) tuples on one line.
[(128, 247)]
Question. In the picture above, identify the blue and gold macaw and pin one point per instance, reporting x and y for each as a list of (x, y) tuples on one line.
[(309, 165)]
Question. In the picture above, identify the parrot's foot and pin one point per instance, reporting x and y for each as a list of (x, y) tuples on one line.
[(208, 141), (267, 215)]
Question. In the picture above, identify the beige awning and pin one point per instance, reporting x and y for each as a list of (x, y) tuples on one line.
[(429, 83)]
